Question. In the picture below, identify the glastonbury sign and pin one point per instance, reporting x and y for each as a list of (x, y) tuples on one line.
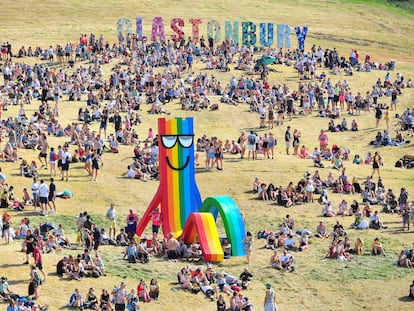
[(251, 33)]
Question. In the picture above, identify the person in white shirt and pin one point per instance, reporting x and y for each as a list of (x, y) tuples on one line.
[(43, 197)]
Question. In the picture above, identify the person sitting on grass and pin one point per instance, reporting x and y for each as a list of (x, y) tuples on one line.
[(287, 261), (271, 241), (359, 247), (375, 222), (321, 230), (403, 260), (303, 242), (245, 278), (377, 248), (154, 289), (290, 242), (76, 300), (143, 292), (327, 210), (226, 246), (275, 261), (411, 290)]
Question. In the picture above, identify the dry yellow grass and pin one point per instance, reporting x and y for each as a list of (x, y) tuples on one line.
[(367, 283)]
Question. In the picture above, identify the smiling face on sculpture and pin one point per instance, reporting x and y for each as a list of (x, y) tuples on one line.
[(179, 142)]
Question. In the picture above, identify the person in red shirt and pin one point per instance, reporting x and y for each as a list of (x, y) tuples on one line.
[(323, 140), (37, 255)]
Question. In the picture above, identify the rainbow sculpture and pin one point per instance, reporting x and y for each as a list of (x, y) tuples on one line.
[(179, 198)]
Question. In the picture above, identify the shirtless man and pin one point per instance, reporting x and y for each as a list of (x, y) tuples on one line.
[(172, 247), (44, 146)]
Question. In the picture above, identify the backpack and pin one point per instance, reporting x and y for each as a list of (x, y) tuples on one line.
[(37, 280), (252, 139)]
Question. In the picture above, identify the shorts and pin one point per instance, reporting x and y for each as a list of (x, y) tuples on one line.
[(275, 264), (43, 200), (59, 163), (172, 254), (42, 155), (112, 225), (119, 307), (155, 228), (252, 147), (287, 144), (39, 265), (95, 165), (65, 166)]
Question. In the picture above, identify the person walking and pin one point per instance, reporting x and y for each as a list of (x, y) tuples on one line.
[(270, 299)]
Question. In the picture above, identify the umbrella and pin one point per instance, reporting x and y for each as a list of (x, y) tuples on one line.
[(266, 60)]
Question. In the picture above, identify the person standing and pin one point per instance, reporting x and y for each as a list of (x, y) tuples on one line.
[(156, 223), (251, 145), (376, 163), (35, 193), (96, 238), (296, 141), (44, 146), (288, 139), (103, 122), (117, 121), (378, 115), (52, 196), (323, 141), (38, 260), (132, 222), (35, 282), (110, 215), (29, 245), (66, 156), (248, 246), (242, 141), (120, 297), (394, 100), (95, 164), (43, 197), (270, 299)]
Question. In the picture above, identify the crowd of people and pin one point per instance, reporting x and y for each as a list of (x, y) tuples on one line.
[(151, 76)]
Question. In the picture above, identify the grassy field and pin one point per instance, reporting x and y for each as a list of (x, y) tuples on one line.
[(366, 283)]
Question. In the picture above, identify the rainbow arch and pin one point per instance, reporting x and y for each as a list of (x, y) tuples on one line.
[(232, 220), (203, 226)]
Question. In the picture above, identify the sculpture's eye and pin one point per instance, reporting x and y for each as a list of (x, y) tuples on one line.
[(169, 141), (185, 140)]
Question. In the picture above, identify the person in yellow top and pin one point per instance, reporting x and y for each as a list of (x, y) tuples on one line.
[(359, 247), (387, 117), (377, 247)]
